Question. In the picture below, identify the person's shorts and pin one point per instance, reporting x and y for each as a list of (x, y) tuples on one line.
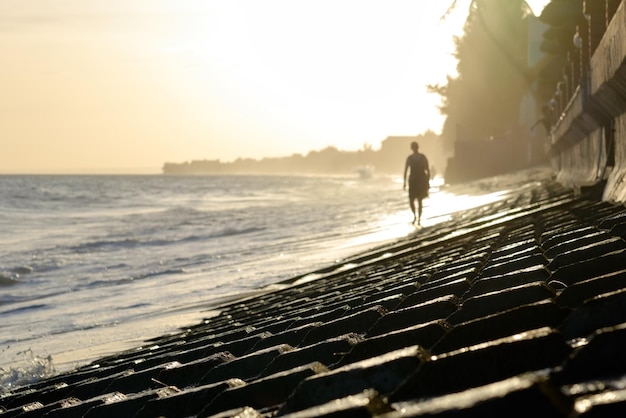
[(418, 188)]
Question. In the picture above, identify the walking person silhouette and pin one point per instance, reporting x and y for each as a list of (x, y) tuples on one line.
[(419, 180)]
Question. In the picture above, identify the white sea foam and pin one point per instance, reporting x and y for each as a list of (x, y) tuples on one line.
[(32, 369)]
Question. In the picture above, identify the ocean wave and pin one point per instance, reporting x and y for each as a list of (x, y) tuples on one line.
[(103, 283), (106, 244), (85, 327), (221, 233), (13, 275), (181, 212), (178, 215), (22, 270), (135, 306), (24, 308), (8, 299), (178, 270), (7, 280), (126, 243), (227, 232), (118, 266), (135, 277)]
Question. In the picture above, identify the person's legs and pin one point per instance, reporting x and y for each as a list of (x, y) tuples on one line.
[(419, 210), (412, 205)]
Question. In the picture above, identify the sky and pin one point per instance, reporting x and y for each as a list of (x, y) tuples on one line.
[(123, 86)]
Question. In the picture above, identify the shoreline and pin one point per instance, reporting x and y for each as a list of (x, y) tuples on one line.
[(191, 316)]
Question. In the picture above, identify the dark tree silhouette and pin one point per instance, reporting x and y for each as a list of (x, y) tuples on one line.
[(483, 100)]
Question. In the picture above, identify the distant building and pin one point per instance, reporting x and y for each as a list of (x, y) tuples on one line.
[(395, 149), (397, 144)]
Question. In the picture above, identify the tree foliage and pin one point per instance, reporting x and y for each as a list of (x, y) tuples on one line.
[(483, 100)]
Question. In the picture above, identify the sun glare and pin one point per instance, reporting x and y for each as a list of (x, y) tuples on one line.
[(295, 64)]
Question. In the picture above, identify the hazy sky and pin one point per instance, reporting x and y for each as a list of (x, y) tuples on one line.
[(125, 85)]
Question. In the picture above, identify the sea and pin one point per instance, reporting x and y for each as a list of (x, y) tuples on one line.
[(91, 265)]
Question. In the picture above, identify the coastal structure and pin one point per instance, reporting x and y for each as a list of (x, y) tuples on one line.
[(576, 71), (587, 112)]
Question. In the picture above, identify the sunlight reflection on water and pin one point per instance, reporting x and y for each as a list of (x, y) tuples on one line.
[(448, 203), (441, 206)]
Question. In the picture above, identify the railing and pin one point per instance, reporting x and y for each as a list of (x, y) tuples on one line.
[(588, 27)]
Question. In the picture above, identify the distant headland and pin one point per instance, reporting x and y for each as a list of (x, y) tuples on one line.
[(389, 159)]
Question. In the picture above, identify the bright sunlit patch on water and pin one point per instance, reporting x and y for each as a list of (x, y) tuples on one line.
[(446, 203), (440, 206), (393, 226), (436, 182)]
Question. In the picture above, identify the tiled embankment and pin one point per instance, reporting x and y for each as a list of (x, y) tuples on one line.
[(514, 309)]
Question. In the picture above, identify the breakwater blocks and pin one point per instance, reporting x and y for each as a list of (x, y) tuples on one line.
[(513, 309)]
